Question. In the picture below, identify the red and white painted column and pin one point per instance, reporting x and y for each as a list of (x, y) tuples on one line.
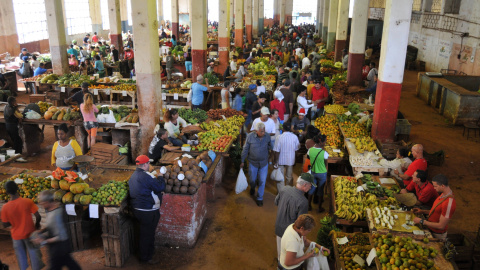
[(358, 37), (175, 18), (57, 36), (239, 23), (276, 11), (199, 38), (115, 24), (248, 20), (223, 36), (261, 16), (147, 68), (342, 28), (8, 29), (396, 27), (332, 24), (255, 18)]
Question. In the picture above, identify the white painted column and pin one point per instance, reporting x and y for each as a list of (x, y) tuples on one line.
[(248, 20), (239, 23), (396, 28), (332, 24), (255, 18), (326, 12), (115, 24), (342, 28), (175, 18), (319, 22), (8, 29), (96, 16), (358, 37), (147, 68), (230, 15), (223, 35), (283, 4), (56, 36), (160, 12), (261, 16), (276, 11)]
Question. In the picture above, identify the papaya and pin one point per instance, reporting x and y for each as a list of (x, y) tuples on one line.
[(48, 115), (55, 116), (76, 198), (64, 185), (54, 183), (88, 191), (69, 179), (67, 198), (60, 116), (77, 188), (135, 119), (85, 199), (72, 174), (58, 195), (129, 119)]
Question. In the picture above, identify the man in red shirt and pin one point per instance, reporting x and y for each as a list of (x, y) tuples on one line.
[(424, 190), (418, 164), (129, 56), (18, 214), (442, 210), (319, 96), (278, 104), (95, 37)]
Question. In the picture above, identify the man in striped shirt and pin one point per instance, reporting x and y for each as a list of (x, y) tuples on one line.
[(442, 210), (285, 147)]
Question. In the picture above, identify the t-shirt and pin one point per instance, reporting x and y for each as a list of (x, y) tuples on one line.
[(19, 214), (280, 106), (446, 209), (255, 107), (250, 99), (197, 93), (237, 103), (319, 94), (156, 148), (292, 242), (260, 89), (291, 204), (62, 155), (300, 124), (417, 164), (89, 117), (95, 39), (287, 98), (425, 194), (269, 125), (39, 71), (99, 65), (319, 163), (78, 97), (55, 224)]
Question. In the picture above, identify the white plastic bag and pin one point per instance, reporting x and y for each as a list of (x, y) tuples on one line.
[(106, 118), (277, 175), (32, 115), (318, 262), (242, 183)]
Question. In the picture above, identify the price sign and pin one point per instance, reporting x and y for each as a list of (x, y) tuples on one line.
[(175, 96), (371, 256), (62, 89), (358, 260), (93, 209), (337, 151), (164, 96), (95, 92), (360, 189), (70, 208), (124, 93), (342, 241)]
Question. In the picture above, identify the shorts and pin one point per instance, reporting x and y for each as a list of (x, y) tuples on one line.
[(89, 125), (188, 65)]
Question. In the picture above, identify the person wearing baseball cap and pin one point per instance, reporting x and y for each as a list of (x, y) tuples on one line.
[(300, 123), (23, 53), (266, 120), (145, 198)]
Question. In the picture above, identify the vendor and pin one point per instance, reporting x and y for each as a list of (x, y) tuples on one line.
[(423, 189), (226, 96), (442, 210), (4, 83), (99, 66), (40, 70), (172, 125), (65, 149), (24, 53), (12, 118), (78, 96), (300, 123), (418, 164), (160, 142), (242, 71), (400, 163)]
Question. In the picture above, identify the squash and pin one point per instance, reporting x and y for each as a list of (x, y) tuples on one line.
[(48, 115), (55, 116), (60, 116)]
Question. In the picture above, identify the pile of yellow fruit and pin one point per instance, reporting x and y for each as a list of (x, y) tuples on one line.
[(335, 109), (231, 126), (364, 144), (353, 130), (125, 87), (44, 106), (328, 125)]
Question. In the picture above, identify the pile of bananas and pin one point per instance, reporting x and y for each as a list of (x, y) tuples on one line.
[(43, 106), (335, 153), (335, 109), (364, 144), (351, 204)]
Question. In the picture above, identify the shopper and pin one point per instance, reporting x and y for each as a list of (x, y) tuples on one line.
[(160, 142), (172, 125), (291, 204), (319, 160), (12, 118), (250, 99), (256, 148), (17, 213), (78, 96), (55, 234), (300, 123), (25, 70), (260, 88), (115, 54), (34, 63), (169, 61), (145, 198), (90, 122), (319, 97), (188, 62), (267, 121), (99, 66), (370, 77), (65, 149), (129, 57), (226, 95), (197, 92), (238, 100), (287, 99), (279, 105), (302, 102), (71, 51), (257, 106), (285, 147)]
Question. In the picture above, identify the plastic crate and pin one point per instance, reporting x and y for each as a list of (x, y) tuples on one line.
[(402, 127)]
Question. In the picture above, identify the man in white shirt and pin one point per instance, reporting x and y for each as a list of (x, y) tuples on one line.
[(371, 75), (267, 121), (306, 61), (285, 147)]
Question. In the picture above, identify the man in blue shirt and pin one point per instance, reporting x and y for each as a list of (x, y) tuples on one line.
[(197, 92), (40, 70)]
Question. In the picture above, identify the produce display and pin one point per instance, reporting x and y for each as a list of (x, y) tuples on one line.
[(212, 78), (125, 87), (177, 50), (112, 79), (177, 91), (73, 80), (186, 84), (29, 186), (188, 177), (35, 78), (397, 251), (353, 129), (376, 189), (363, 144), (69, 188), (262, 66), (44, 58), (193, 116), (62, 114), (358, 245), (384, 217), (50, 78), (229, 112), (212, 141), (112, 193), (335, 109), (44, 106), (359, 161), (351, 204), (328, 125), (99, 86), (219, 134), (324, 234), (173, 84)]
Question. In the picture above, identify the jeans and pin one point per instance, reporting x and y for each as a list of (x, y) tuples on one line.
[(320, 179), (249, 118), (148, 223), (177, 141), (261, 173), (188, 65), (21, 247)]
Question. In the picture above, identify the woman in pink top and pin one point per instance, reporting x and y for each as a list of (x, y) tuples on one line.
[(89, 120)]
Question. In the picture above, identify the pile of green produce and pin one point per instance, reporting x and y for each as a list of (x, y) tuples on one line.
[(50, 78), (30, 187), (323, 236), (44, 58), (339, 77), (73, 80), (354, 108), (119, 112), (193, 116), (212, 79), (111, 194), (262, 65), (376, 189), (177, 50)]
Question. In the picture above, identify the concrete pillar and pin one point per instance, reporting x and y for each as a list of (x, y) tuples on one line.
[(124, 15), (261, 16), (231, 13), (342, 28), (255, 18), (160, 12), (147, 68), (319, 23), (396, 27), (332, 24), (248, 20), (283, 4), (96, 16), (115, 24), (276, 11), (199, 38), (223, 35), (8, 29), (239, 23), (56, 36), (326, 12), (190, 15), (358, 37), (175, 18)]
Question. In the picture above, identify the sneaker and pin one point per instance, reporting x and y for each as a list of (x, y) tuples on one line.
[(259, 203), (21, 159)]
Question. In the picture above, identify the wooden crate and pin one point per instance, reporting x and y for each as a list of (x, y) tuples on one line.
[(112, 223), (74, 229), (464, 247), (118, 248), (104, 153), (34, 98), (389, 150)]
